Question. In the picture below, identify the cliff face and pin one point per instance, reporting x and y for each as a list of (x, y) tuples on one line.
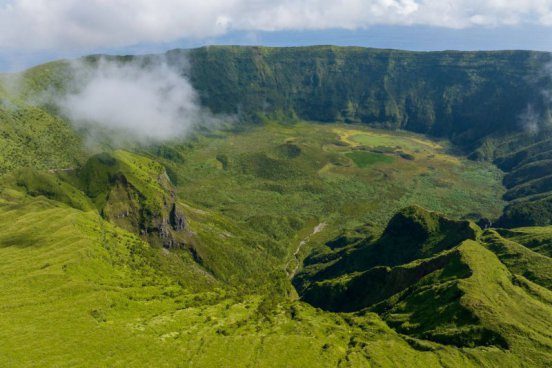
[(460, 95), (137, 195)]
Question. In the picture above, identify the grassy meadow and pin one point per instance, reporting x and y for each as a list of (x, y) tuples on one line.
[(280, 181)]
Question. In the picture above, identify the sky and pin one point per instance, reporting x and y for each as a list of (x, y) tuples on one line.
[(36, 31)]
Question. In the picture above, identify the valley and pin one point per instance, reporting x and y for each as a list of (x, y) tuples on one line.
[(347, 224)]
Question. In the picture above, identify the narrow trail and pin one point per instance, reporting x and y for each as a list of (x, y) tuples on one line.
[(67, 169), (318, 228)]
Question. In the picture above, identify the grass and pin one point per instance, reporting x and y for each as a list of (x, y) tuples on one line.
[(407, 141), (267, 187), (99, 296), (519, 315), (82, 283), (477, 290), (32, 136), (248, 175), (536, 238), (81, 279), (521, 260), (365, 159)]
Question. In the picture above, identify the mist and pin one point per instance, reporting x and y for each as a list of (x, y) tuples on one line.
[(133, 101), (537, 114), (530, 120)]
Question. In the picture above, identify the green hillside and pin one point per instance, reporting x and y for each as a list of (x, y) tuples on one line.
[(440, 283), (455, 94), (33, 137), (346, 217)]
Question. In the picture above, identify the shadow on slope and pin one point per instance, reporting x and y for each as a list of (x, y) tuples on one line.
[(433, 278)]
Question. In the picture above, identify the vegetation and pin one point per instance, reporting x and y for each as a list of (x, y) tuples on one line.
[(476, 99), (280, 241), (440, 283), (363, 159), (439, 93), (31, 137)]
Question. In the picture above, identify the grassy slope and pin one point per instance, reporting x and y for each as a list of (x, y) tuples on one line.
[(461, 294), (36, 139), (97, 300), (502, 304), (520, 259), (103, 299), (67, 271), (31, 137)]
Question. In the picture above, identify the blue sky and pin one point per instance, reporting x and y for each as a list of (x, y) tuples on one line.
[(36, 31)]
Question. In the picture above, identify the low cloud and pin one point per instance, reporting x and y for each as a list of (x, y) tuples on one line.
[(537, 115), (530, 120), (134, 101)]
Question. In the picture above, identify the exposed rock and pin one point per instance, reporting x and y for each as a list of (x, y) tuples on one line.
[(177, 219)]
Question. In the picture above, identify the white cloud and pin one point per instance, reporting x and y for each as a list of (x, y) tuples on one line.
[(145, 103), (70, 24)]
